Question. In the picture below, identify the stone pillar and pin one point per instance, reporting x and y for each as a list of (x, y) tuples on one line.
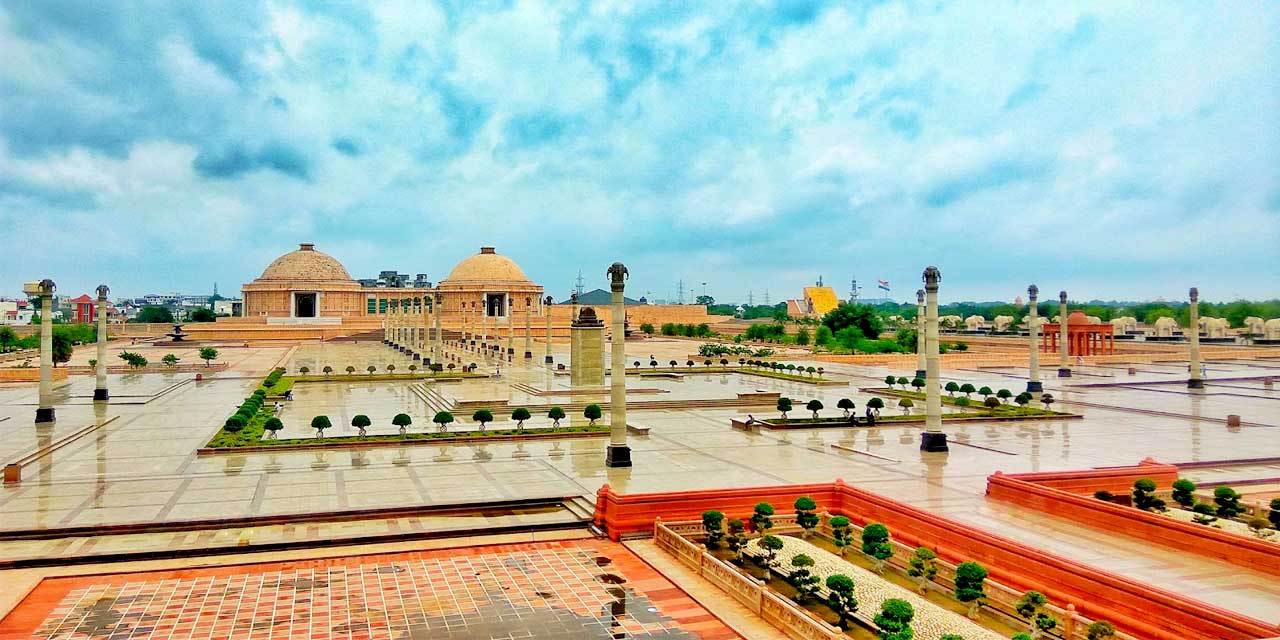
[(1064, 351), (437, 310), (511, 329), (391, 319), (45, 289), (1033, 330), (377, 308), (546, 309), (1195, 380), (100, 371), (933, 439), (920, 346), (586, 351), (528, 328), (484, 324), (618, 453)]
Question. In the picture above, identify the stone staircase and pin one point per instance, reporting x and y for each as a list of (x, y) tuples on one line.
[(431, 396)]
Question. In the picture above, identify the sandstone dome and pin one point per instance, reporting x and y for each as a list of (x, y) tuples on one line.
[(486, 266), (306, 264), (1077, 317)]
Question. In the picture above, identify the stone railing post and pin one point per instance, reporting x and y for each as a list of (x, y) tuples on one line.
[(1069, 624)]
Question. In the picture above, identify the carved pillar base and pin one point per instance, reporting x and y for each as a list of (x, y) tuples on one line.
[(617, 455), (1034, 386), (528, 355), (100, 395), (1064, 372), (933, 442), (549, 360), (920, 373), (44, 415), (1195, 384)]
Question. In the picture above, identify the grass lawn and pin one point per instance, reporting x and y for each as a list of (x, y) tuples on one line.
[(253, 437)]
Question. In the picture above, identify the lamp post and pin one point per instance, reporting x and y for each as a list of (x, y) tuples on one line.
[(1033, 330), (920, 346), (546, 309), (1064, 360), (44, 289), (933, 439), (100, 371), (1195, 380), (618, 453)]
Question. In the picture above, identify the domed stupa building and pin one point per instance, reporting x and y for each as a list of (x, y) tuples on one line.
[(304, 284), (491, 282)]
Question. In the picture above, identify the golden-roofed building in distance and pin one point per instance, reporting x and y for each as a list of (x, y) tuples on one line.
[(817, 301)]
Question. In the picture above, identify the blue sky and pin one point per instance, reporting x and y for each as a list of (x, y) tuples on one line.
[(1114, 149)]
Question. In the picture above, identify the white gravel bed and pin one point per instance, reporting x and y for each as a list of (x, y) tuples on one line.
[(930, 621), (1224, 524)]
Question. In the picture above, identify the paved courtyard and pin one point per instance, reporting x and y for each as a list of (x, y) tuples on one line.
[(140, 467), (584, 590)]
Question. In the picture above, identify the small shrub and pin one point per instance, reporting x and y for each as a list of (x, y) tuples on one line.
[(991, 402), (1184, 493), (442, 420), (841, 534), (784, 405), (841, 599), (961, 402), (361, 422), (1274, 515), (1100, 630), (556, 414), (1105, 496), (320, 423), (923, 567), (802, 577), (846, 405), (272, 426), (483, 416), (520, 415), (235, 423), (737, 537), (592, 413), (969, 580), (1144, 495), (712, 522), (814, 406)]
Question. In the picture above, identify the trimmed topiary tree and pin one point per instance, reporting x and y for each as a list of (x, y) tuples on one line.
[(802, 577), (1032, 607), (762, 518), (442, 420), (875, 403), (1228, 502), (520, 415), (483, 416), (969, 580), (361, 421), (1184, 493), (556, 414), (875, 543), (771, 546), (736, 540), (712, 524), (841, 533), (1004, 394), (814, 406), (1046, 400), (841, 599), (890, 380), (951, 388), (403, 421), (271, 426), (784, 405), (923, 567), (320, 423), (592, 413), (1144, 495), (984, 392), (894, 619), (235, 423), (918, 383), (806, 517), (846, 405), (902, 382), (906, 404), (991, 402), (967, 389)]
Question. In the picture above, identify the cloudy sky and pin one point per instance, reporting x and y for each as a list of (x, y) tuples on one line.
[(1115, 149)]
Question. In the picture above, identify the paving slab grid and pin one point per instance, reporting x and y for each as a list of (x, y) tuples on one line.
[(556, 590)]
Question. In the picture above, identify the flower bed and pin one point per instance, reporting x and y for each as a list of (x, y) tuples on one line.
[(930, 621)]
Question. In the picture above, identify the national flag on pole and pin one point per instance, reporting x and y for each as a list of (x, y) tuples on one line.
[(883, 284)]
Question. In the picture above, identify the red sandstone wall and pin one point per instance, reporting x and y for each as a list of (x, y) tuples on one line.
[(1134, 607), (1117, 480)]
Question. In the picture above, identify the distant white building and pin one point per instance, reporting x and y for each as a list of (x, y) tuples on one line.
[(229, 307), (15, 312)]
